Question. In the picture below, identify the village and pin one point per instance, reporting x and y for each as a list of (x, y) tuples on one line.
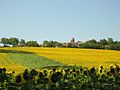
[(72, 43)]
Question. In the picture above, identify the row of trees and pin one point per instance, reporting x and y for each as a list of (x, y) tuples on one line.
[(51, 44), (94, 44), (102, 41), (21, 42), (102, 44), (16, 42)]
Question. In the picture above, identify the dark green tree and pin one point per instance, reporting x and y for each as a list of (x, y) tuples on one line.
[(13, 41), (103, 42), (110, 41), (113, 47), (32, 44), (22, 42), (91, 41), (51, 44), (57, 44), (92, 46), (5, 41), (45, 43)]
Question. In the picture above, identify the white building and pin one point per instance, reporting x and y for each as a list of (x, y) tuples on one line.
[(1, 45)]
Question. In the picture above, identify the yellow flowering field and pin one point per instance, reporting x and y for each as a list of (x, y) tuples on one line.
[(5, 62), (76, 56)]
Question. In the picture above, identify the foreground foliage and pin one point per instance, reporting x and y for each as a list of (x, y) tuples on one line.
[(62, 78)]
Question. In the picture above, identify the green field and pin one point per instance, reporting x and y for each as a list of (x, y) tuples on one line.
[(33, 61), (25, 59)]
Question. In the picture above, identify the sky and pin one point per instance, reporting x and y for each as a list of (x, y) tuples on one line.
[(60, 19)]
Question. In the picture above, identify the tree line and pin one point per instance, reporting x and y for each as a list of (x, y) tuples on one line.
[(16, 42), (109, 43)]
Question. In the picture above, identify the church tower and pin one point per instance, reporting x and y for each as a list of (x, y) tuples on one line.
[(73, 40)]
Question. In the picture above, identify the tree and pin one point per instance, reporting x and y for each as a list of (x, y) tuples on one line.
[(110, 41), (103, 42), (32, 44), (22, 42), (113, 46), (92, 46), (91, 41), (45, 43), (13, 41), (57, 44), (51, 43), (5, 41)]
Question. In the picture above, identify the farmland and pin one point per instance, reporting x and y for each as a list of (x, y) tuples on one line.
[(53, 69), (18, 61), (9, 64), (66, 56)]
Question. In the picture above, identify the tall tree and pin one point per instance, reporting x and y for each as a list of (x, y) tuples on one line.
[(22, 42), (13, 41), (110, 41), (5, 41), (32, 43), (91, 41), (45, 43), (103, 42)]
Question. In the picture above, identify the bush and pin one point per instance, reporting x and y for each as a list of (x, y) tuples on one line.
[(113, 47), (92, 46)]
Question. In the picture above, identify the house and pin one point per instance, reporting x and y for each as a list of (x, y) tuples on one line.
[(1, 45), (8, 45), (72, 43)]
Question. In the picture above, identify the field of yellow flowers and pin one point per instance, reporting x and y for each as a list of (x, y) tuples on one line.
[(74, 56), (5, 62)]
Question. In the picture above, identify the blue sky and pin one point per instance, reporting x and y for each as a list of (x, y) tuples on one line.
[(60, 19)]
